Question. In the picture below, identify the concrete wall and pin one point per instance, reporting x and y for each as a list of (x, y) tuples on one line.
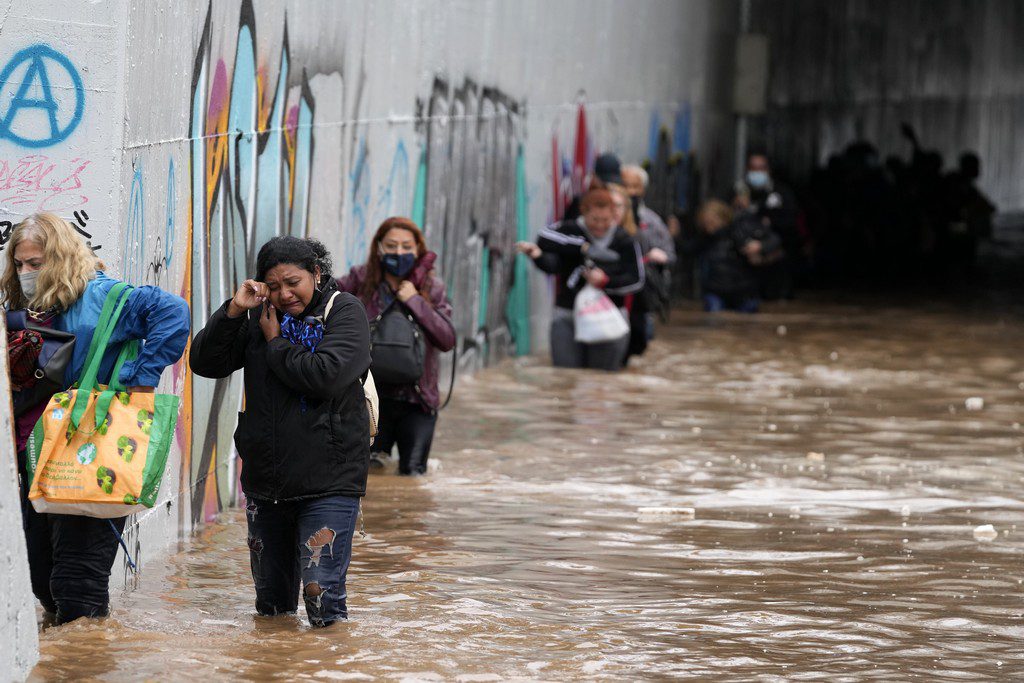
[(180, 134), (848, 69), (17, 606)]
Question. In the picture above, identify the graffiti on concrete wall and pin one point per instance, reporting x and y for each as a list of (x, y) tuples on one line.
[(251, 150), (468, 201), (37, 112), (42, 101)]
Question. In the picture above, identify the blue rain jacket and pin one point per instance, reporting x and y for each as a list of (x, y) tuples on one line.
[(158, 318)]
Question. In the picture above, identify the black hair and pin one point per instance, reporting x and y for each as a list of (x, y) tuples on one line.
[(307, 253), (757, 149)]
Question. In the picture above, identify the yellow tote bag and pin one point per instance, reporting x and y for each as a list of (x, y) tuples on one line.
[(110, 466)]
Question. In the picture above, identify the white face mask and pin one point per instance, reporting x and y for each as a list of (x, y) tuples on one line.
[(28, 283)]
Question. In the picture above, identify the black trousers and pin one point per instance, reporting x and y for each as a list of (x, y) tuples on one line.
[(69, 559), (409, 426)]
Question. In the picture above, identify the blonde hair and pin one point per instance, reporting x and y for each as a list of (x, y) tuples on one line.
[(628, 221), (716, 208), (68, 267)]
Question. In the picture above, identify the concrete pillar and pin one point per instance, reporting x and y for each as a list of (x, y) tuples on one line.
[(18, 629)]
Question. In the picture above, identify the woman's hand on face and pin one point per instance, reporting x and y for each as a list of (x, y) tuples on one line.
[(269, 323), (406, 291), (250, 295)]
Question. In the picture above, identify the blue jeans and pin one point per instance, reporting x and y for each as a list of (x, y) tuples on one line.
[(713, 303), (307, 540)]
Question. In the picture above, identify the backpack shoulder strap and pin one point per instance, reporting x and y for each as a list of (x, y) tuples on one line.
[(330, 305)]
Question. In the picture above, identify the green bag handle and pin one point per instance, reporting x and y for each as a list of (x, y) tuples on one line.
[(97, 349), (104, 318), (115, 302), (129, 351), (101, 325)]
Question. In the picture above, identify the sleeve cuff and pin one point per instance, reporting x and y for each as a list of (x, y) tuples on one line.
[(144, 378), (223, 311)]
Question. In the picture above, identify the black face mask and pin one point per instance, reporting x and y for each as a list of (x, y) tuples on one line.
[(635, 201)]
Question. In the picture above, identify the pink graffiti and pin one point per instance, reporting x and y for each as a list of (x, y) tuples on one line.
[(30, 184), (291, 123), (218, 92)]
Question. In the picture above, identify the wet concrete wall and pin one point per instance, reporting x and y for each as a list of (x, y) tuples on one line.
[(179, 136), (17, 606), (851, 69)]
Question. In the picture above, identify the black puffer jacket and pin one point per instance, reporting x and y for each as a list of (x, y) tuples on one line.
[(305, 430), (726, 269)]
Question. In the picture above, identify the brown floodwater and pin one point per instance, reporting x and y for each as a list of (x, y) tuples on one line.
[(837, 478)]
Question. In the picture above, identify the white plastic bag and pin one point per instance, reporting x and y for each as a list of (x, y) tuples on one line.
[(596, 317)]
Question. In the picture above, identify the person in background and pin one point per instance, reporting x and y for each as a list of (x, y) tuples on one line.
[(659, 249), (305, 434), (636, 304), (399, 271), (607, 170), (662, 251), (730, 248), (593, 250), (57, 278), (759, 194), (970, 212)]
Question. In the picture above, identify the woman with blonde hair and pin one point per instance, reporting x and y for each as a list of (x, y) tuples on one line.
[(731, 247), (57, 279), (405, 302)]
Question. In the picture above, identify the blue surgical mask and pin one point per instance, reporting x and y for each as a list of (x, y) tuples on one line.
[(398, 265), (757, 179)]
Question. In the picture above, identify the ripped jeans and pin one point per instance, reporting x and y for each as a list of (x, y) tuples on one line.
[(308, 540)]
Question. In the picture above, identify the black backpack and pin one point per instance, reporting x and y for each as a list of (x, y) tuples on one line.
[(54, 357), (397, 347)]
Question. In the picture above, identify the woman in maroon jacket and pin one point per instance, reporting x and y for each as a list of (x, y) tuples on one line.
[(399, 272)]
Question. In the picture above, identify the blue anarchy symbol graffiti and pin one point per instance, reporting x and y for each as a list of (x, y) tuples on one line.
[(33, 106)]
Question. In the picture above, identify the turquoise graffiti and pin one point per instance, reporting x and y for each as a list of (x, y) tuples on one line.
[(134, 268), (369, 204)]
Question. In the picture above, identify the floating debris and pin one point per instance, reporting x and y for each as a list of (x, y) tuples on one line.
[(985, 532), (814, 456), (974, 403), (662, 514)]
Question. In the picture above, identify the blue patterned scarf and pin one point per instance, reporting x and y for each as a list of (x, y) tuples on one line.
[(308, 334)]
